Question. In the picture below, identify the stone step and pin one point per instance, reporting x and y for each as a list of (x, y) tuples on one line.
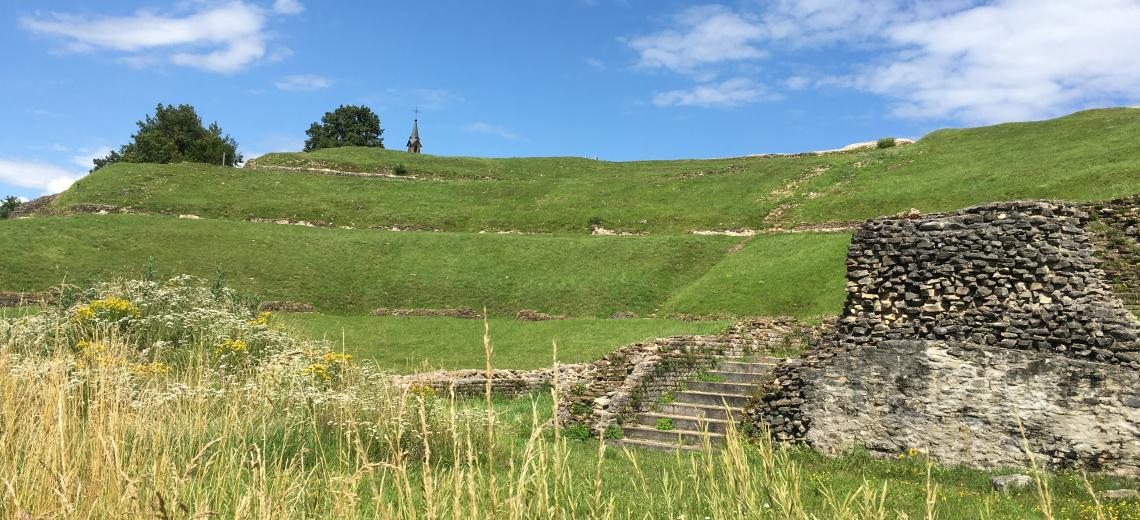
[(675, 437), (739, 377), (683, 422), (710, 398), (699, 410), (731, 388), (653, 445), (744, 368)]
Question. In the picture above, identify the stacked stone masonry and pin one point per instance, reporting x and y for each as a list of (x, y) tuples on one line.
[(959, 327)]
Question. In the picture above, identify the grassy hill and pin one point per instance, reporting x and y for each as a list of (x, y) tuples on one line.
[(557, 268), (1085, 156)]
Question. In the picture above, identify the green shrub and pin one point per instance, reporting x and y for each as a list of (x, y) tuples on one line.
[(8, 205), (614, 432), (664, 424), (578, 432), (665, 398), (400, 169), (579, 409), (886, 142)]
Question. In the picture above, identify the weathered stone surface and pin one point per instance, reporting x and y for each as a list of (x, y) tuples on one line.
[(465, 313), (965, 403), (472, 382), (1121, 494), (1010, 483)]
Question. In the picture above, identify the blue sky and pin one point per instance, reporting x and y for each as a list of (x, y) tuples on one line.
[(617, 79)]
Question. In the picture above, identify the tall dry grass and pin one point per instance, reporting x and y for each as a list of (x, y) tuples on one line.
[(81, 439)]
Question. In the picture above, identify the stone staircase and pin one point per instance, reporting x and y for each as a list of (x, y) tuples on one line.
[(701, 408)]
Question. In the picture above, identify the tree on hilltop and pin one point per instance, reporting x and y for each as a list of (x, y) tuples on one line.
[(348, 125), (175, 134), (8, 205)]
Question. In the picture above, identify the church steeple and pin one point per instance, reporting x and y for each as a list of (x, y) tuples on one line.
[(414, 145)]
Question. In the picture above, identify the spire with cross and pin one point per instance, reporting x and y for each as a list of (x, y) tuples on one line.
[(414, 145)]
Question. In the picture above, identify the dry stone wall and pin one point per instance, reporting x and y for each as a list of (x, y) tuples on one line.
[(1020, 275), (958, 327)]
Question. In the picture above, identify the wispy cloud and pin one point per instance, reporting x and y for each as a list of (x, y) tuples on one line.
[(729, 93), (704, 35), (37, 175), (304, 82), (997, 61), (288, 6), (595, 63), (489, 129), (223, 38)]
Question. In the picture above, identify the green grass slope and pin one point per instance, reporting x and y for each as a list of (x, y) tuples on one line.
[(801, 274), (352, 271), (1085, 156), (412, 344)]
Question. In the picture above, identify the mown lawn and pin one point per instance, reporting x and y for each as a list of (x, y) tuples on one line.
[(413, 344)]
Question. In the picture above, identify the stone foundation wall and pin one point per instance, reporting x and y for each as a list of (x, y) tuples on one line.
[(964, 403), (958, 323)]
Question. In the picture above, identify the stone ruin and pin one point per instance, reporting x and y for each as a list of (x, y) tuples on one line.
[(971, 336)]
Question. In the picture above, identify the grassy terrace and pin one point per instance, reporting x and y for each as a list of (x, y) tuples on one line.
[(1085, 156), (354, 271), (413, 344)]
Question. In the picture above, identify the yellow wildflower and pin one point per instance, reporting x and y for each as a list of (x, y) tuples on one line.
[(318, 371), (336, 358), (148, 370), (262, 319), (233, 345)]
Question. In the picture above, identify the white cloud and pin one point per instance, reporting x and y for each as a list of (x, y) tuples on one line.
[(594, 62), (996, 61), (1012, 60), (303, 82), (287, 6), (45, 177), (485, 128), (732, 92), (703, 35), (85, 157), (223, 38)]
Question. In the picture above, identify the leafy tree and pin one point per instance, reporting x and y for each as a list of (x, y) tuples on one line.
[(348, 125), (8, 205), (175, 134)]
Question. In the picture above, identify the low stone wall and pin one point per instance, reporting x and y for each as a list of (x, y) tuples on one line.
[(632, 378), (964, 403), (16, 299), (285, 306), (473, 382), (465, 313)]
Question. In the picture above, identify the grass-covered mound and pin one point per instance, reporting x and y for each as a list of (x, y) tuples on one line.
[(135, 400), (1085, 156), (354, 271)]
